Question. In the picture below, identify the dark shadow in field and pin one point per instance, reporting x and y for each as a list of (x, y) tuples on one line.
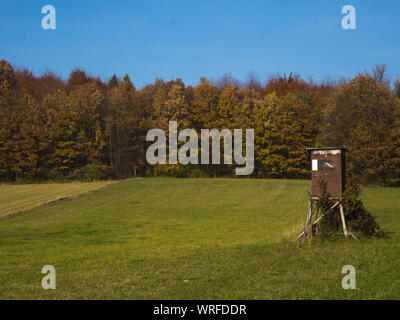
[(134, 202)]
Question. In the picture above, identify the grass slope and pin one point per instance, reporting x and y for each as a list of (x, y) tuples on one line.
[(17, 198), (194, 239)]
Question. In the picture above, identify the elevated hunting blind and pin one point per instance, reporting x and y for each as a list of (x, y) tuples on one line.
[(327, 164)]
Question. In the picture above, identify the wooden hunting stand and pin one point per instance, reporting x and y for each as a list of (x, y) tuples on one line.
[(327, 164)]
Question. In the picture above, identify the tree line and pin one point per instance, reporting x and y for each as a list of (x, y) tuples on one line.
[(84, 128)]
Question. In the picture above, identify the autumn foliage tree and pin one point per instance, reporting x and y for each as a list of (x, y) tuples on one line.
[(287, 126), (363, 117), (8, 120)]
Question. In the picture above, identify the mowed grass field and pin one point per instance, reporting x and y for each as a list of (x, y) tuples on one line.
[(17, 198), (193, 239)]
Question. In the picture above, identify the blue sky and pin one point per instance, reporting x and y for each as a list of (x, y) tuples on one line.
[(190, 38)]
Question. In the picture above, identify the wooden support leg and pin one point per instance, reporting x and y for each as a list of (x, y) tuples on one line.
[(320, 217), (316, 209), (350, 233), (343, 220), (307, 220)]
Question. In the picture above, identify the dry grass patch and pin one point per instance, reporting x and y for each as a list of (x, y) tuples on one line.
[(17, 198)]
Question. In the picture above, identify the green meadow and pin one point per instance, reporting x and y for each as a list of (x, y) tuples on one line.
[(151, 238)]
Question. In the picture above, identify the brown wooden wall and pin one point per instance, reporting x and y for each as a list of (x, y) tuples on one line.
[(324, 159)]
